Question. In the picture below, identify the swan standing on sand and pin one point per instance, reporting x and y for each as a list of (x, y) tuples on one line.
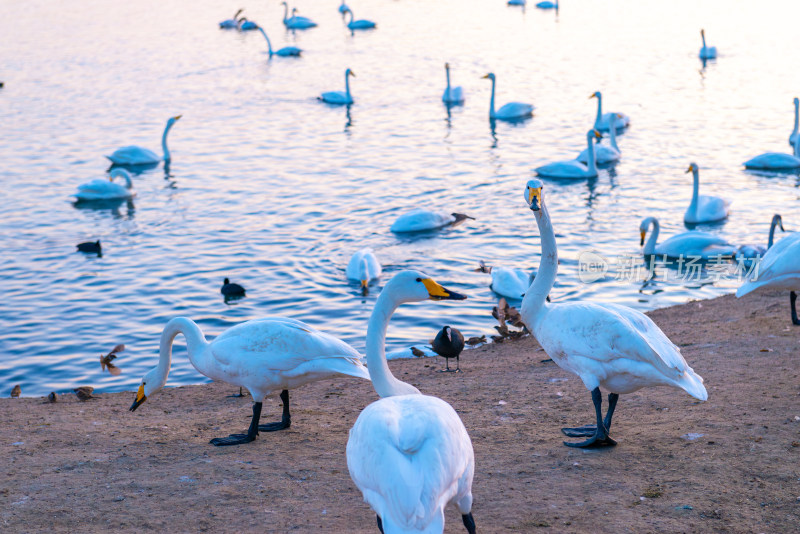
[(409, 453), (508, 112), (691, 244), (286, 51), (135, 155), (604, 154), (231, 24), (602, 121), (573, 169), (363, 267), (704, 208), (295, 22), (776, 161), (362, 24), (606, 345), (340, 98), (707, 52), (749, 253), (793, 135), (452, 95), (420, 220), (262, 355), (100, 189)]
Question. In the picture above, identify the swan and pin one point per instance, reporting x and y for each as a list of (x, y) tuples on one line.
[(363, 267), (420, 220), (263, 355), (779, 269), (707, 52), (246, 25), (747, 254), (100, 189), (232, 23), (604, 154), (573, 169), (793, 135), (362, 24), (343, 8), (547, 4), (704, 208), (508, 282), (776, 161), (691, 244), (295, 22), (135, 155), (409, 453), (603, 120), (516, 2), (606, 345), (509, 112), (452, 95), (340, 97), (286, 51), (449, 343)]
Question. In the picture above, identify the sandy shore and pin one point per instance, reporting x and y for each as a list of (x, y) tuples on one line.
[(94, 466)]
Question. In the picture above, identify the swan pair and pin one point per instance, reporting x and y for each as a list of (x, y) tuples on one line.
[(340, 98), (574, 169), (605, 154), (363, 267), (704, 208), (421, 220), (686, 245), (602, 121), (707, 52), (295, 22), (136, 155), (286, 51), (100, 189), (607, 345), (513, 111)]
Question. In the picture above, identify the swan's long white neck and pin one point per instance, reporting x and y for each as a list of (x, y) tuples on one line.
[(447, 70), (796, 116), (591, 161), (535, 300), (347, 84), (350, 12), (195, 345), (269, 45), (695, 190), (797, 146), (386, 385), (612, 132), (703, 37), (650, 245), (775, 221), (285, 12), (167, 155), (491, 102), (129, 184), (599, 116)]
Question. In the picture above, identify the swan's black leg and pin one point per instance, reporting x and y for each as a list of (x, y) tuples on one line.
[(238, 439), (239, 395), (458, 363), (469, 522), (586, 431), (286, 419), (612, 403), (600, 437), (380, 523), (792, 299)]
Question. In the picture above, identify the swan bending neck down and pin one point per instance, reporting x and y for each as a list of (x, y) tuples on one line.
[(606, 345), (409, 453), (263, 355)]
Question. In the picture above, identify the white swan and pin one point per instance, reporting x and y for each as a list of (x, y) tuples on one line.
[(295, 22), (246, 25), (420, 220), (340, 97), (232, 23), (363, 267), (686, 245), (604, 154), (100, 189), (776, 161), (603, 120), (452, 95), (343, 8), (135, 155), (747, 254), (779, 269), (606, 345), (508, 112), (704, 208), (707, 52), (793, 135), (409, 453), (508, 282), (516, 2), (362, 24), (547, 4), (286, 51), (263, 355), (573, 169)]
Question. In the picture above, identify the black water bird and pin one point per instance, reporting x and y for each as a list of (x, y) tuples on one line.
[(230, 290), (91, 247), (449, 343)]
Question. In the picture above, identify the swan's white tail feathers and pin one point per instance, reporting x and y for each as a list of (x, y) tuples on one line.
[(692, 383), (436, 526)]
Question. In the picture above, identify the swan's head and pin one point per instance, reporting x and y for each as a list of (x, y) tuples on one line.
[(349, 72), (643, 227), (796, 101), (533, 194), (238, 13), (596, 94), (777, 220), (447, 67), (593, 134), (414, 286), (702, 33), (490, 76), (173, 120), (693, 168), (151, 383)]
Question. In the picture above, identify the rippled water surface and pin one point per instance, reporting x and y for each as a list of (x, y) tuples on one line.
[(275, 190)]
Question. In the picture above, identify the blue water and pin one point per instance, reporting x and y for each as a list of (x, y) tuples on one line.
[(275, 190)]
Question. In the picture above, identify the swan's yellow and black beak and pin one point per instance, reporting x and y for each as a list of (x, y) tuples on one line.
[(140, 398), (437, 292), (593, 95), (485, 76), (176, 117), (597, 134), (535, 198), (642, 234), (691, 168), (353, 74)]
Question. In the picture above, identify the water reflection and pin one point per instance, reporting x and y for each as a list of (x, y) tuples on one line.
[(110, 206)]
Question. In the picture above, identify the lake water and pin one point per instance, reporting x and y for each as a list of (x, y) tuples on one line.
[(275, 190)]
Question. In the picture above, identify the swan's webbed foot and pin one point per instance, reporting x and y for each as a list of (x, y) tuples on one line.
[(234, 439), (469, 522), (598, 434), (600, 439), (584, 431), (236, 396), (792, 299), (286, 419)]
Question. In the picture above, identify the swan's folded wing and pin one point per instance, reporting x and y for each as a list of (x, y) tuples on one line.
[(780, 260)]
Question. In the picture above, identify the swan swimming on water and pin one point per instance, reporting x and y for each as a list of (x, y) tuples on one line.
[(362, 24), (547, 4), (408, 453), (343, 8), (232, 23), (295, 22), (707, 52), (776, 161), (246, 25), (573, 169), (340, 97), (363, 267), (420, 220), (508, 112), (691, 244), (606, 345), (452, 95), (602, 120), (263, 355), (604, 154), (100, 189), (749, 253), (286, 51), (704, 208), (135, 155)]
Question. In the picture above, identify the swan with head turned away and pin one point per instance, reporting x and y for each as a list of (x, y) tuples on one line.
[(748, 254), (704, 208), (340, 98), (452, 95), (136, 155), (686, 245), (793, 135), (421, 220), (100, 189), (604, 154), (602, 121), (295, 22), (513, 111), (363, 267), (606, 345), (409, 453), (265, 356), (573, 169), (232, 23), (776, 161), (286, 51), (707, 52), (361, 24)]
